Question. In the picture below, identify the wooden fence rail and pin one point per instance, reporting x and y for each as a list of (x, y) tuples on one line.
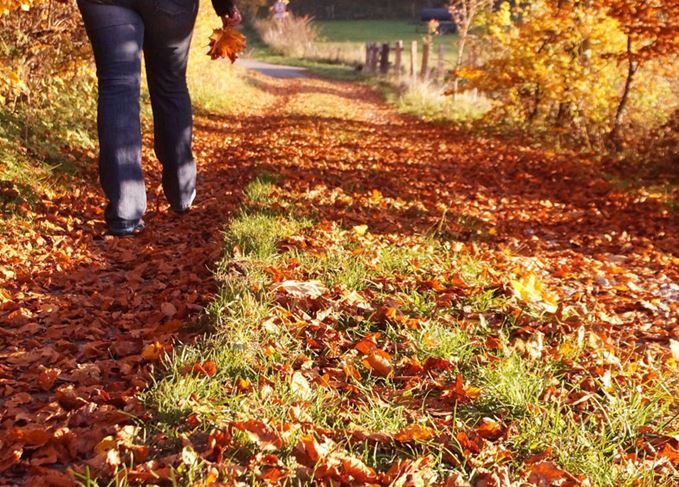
[(378, 60)]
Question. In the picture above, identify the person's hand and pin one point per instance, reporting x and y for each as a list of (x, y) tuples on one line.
[(232, 20)]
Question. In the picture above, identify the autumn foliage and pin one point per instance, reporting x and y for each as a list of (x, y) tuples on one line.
[(586, 71), (43, 42)]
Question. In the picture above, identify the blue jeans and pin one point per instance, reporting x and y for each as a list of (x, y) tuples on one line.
[(119, 31)]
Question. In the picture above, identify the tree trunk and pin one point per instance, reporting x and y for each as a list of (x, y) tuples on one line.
[(632, 67), (460, 55)]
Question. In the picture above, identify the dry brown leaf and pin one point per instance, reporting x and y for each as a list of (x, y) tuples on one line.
[(260, 433), (546, 474), (414, 432), (168, 309), (153, 351), (301, 289), (489, 429), (358, 470), (380, 362)]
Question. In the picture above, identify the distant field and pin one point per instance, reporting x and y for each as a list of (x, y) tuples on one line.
[(346, 38), (371, 30)]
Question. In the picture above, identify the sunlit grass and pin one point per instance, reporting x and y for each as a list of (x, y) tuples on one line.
[(350, 36), (218, 86), (39, 143), (512, 385)]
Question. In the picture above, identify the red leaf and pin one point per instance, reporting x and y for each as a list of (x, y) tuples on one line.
[(380, 362), (226, 43), (414, 432), (358, 470), (208, 368), (47, 378), (489, 429)]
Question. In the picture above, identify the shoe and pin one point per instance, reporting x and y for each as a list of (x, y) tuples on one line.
[(181, 211), (125, 231)]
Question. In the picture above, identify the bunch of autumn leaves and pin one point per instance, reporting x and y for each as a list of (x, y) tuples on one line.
[(226, 42)]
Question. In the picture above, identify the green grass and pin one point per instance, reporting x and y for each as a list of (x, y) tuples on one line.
[(342, 46), (248, 343), (42, 144), (218, 86), (332, 70), (237, 342), (346, 40), (371, 30), (585, 445), (444, 341), (354, 34)]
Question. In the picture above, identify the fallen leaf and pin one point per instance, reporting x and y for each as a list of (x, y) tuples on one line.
[(260, 433), (358, 470), (168, 309), (546, 474), (153, 351), (489, 429), (414, 432), (380, 362), (207, 368), (301, 290), (531, 290), (47, 377)]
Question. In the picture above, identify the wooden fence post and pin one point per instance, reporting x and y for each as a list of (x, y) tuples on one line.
[(372, 66), (384, 59), (424, 69), (413, 60), (376, 56), (367, 56), (398, 58), (440, 66)]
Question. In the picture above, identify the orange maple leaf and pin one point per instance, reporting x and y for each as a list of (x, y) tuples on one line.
[(226, 43), (208, 368)]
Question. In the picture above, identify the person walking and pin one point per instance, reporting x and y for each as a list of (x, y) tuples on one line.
[(280, 10), (119, 31)]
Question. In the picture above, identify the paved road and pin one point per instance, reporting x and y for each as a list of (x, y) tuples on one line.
[(274, 70)]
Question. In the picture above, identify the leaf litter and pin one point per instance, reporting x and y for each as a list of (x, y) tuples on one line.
[(583, 278)]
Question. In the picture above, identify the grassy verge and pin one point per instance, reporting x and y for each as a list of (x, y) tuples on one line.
[(350, 36), (428, 100), (218, 85), (340, 355), (347, 39), (42, 144)]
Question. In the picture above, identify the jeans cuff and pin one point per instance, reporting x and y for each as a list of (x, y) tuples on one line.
[(123, 225), (182, 209)]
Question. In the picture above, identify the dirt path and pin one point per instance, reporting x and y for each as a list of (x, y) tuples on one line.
[(79, 311)]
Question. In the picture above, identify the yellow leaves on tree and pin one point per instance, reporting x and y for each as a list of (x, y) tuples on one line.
[(559, 66), (226, 43), (651, 25), (10, 83)]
